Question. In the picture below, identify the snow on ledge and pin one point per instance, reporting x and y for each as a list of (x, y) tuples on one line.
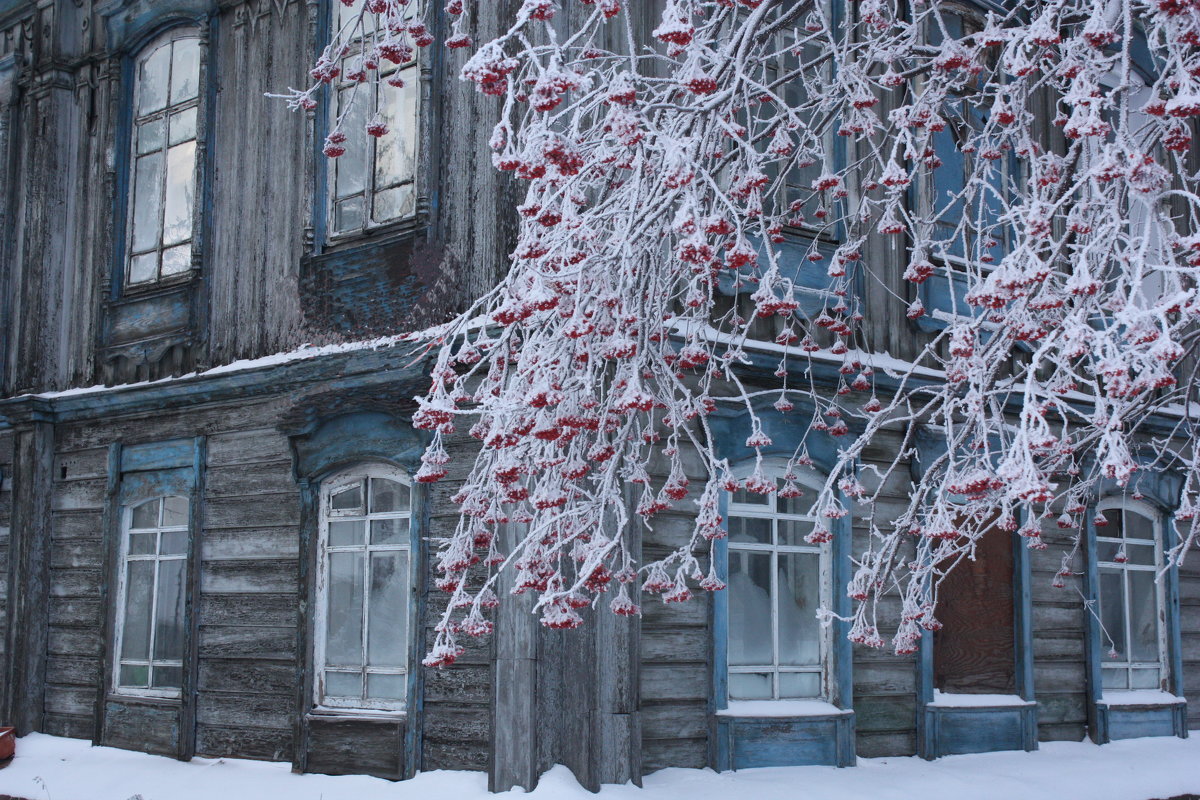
[(1140, 697), (782, 708), (948, 700)]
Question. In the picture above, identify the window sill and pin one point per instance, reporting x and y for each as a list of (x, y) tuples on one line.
[(167, 701), (371, 237), (757, 709), (948, 700), (355, 714), (1140, 697)]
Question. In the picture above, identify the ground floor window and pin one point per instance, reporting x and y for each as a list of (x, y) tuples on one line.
[(363, 593)]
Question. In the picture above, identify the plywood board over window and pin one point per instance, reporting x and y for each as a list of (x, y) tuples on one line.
[(975, 651)]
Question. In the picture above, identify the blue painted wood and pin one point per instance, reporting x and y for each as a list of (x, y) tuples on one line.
[(158, 455), (1097, 716), (110, 529), (132, 23), (748, 742), (189, 692), (139, 486), (957, 731), (354, 438), (150, 315), (1023, 621), (419, 547), (1134, 722)]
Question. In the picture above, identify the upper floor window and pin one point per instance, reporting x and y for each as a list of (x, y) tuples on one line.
[(153, 591), (1131, 601), (363, 585), (162, 204), (373, 182), (777, 648)]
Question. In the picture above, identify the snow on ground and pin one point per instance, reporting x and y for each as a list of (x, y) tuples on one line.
[(50, 768)]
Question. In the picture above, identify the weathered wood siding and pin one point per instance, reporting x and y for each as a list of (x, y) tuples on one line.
[(1189, 618)]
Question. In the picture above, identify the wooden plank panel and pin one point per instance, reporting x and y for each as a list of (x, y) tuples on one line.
[(86, 553), (76, 583), (77, 701), (74, 641), (252, 512), (885, 713), (72, 671), (681, 720), (675, 682), (246, 676), (352, 747), (675, 644), (266, 610), (244, 543), (250, 480), (250, 576), (228, 641), (248, 447), (80, 495), (215, 741), (134, 725), (663, 753), (84, 612), (85, 524), (470, 684), (246, 710), (91, 463)]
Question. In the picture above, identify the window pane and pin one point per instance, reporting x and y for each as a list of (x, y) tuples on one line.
[(185, 70), (750, 498), (1112, 614), (792, 532), (147, 209), (389, 531), (344, 684), (351, 166), (134, 675), (139, 589), (150, 135), (750, 529), (394, 203), (143, 268), (343, 534), (348, 215), (749, 686), (799, 597), (1114, 678), (387, 687), (1113, 528), (799, 684), (152, 80), (387, 635), (343, 644), (180, 193), (175, 512), (1140, 554), (1107, 551), (749, 609), (177, 260), (1143, 616), (388, 496), (348, 499), (146, 515), (395, 153), (1138, 527), (183, 126), (168, 625), (141, 544), (168, 677), (793, 505), (1144, 679), (174, 543)]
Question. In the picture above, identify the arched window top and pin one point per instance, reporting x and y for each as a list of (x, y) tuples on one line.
[(168, 71), (158, 513)]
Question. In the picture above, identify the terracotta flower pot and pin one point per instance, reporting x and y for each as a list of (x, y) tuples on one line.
[(8, 744)]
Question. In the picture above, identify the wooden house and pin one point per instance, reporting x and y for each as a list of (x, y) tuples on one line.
[(210, 543)]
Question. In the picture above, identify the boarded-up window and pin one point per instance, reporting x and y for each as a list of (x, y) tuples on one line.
[(974, 652)]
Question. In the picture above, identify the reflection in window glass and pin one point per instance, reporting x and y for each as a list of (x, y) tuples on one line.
[(775, 647), (163, 181), (363, 656), (150, 626), (1130, 601), (372, 183)]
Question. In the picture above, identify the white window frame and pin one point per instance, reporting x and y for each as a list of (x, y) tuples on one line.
[(136, 119), (1130, 666), (374, 87), (329, 487), (824, 577), (122, 589)]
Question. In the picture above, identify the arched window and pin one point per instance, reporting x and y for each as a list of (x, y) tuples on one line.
[(363, 590), (162, 180), (153, 591), (777, 649), (372, 183), (1128, 554)]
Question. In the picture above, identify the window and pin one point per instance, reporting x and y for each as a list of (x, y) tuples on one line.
[(363, 589), (153, 591), (372, 183), (166, 107), (1131, 604), (776, 647)]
